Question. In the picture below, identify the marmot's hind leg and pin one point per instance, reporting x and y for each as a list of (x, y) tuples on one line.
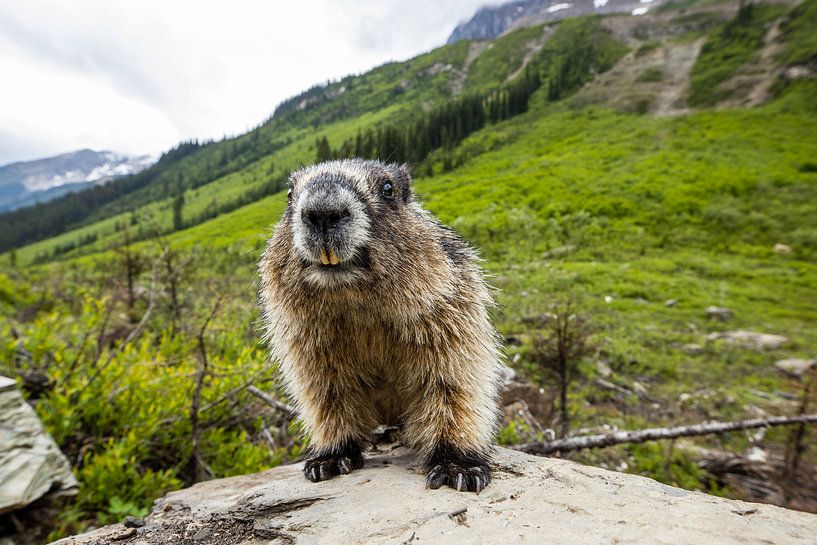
[(333, 462)]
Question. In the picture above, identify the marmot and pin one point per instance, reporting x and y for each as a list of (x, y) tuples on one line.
[(378, 314)]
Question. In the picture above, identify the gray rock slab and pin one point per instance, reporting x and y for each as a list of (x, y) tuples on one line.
[(31, 464), (532, 500)]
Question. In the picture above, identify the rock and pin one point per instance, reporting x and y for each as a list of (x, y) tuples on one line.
[(133, 522), (670, 302), (31, 464), (205, 534), (609, 299), (693, 349), (757, 454), (603, 369), (750, 339), (530, 500), (795, 366), (721, 314), (508, 375), (640, 389), (781, 248), (560, 251)]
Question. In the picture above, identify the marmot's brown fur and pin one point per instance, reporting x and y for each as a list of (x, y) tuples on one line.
[(378, 314)]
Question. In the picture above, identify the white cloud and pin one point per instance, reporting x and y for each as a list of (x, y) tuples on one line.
[(138, 76)]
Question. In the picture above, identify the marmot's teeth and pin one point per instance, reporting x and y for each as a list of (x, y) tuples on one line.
[(324, 257), (333, 257)]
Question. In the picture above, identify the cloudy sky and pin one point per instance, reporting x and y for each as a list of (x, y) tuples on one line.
[(138, 76)]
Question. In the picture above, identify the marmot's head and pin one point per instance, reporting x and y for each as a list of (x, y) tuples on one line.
[(334, 210)]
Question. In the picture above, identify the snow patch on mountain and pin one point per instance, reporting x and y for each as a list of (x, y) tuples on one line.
[(28, 182)]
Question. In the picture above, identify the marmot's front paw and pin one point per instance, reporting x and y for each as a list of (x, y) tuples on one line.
[(459, 476), (331, 464)]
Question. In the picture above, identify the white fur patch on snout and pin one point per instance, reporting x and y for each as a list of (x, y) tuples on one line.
[(345, 240)]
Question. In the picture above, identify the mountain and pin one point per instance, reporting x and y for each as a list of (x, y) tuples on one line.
[(25, 183), (492, 21), (686, 56)]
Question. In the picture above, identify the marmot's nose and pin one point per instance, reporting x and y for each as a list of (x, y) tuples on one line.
[(324, 220)]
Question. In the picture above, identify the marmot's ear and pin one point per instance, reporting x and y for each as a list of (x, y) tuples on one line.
[(405, 170)]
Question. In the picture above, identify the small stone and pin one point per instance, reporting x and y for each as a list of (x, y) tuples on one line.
[(603, 369), (609, 299), (757, 454), (750, 339), (781, 248), (795, 366), (127, 534), (693, 349), (719, 313), (670, 302), (133, 522), (560, 251), (202, 534), (640, 389)]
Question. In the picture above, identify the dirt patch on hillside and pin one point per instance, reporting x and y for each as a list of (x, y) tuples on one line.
[(678, 62), (475, 49), (532, 48)]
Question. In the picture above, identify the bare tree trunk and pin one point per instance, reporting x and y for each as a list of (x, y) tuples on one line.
[(130, 270), (172, 276), (196, 463), (564, 423), (653, 434), (795, 446)]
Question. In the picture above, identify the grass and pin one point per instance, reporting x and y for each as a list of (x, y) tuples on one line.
[(503, 57), (799, 31)]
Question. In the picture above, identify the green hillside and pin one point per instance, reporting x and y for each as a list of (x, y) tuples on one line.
[(644, 198)]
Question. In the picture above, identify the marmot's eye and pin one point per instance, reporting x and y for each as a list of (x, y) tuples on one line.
[(289, 194), (388, 190)]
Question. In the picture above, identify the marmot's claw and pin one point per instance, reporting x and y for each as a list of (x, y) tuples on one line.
[(326, 466), (472, 479)]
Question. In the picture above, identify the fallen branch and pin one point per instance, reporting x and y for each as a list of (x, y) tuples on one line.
[(653, 434), (268, 399)]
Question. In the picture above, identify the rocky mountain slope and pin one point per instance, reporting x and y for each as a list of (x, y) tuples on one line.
[(27, 182), (492, 21)]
